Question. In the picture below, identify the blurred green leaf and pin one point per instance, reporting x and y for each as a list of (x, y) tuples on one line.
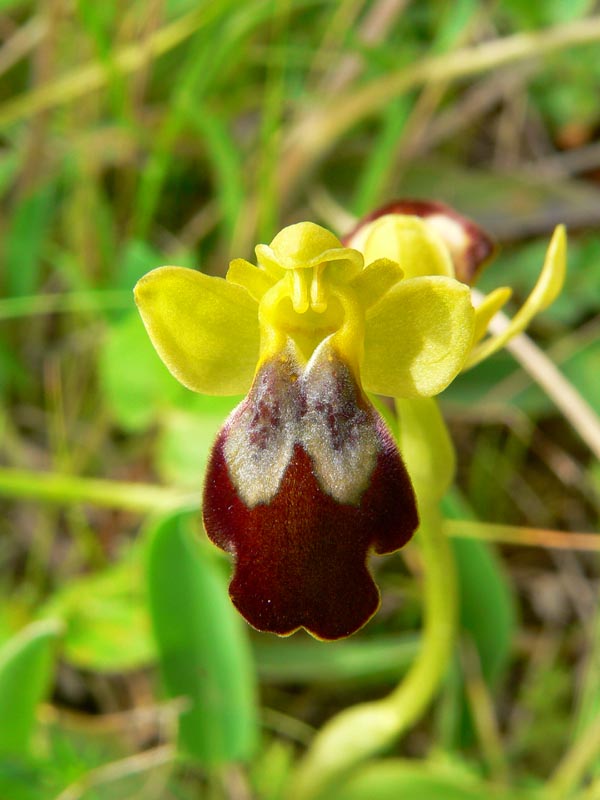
[(271, 770), (519, 268), (589, 695), (566, 94), (507, 205), (203, 650), (24, 240), (9, 164), (581, 369), (106, 621), (135, 383), (551, 12), (5, 5), (487, 600), (136, 260), (452, 22), (472, 386), (25, 781), (395, 779), (302, 660), (12, 371), (186, 438), (487, 615), (26, 668), (98, 20), (487, 605)]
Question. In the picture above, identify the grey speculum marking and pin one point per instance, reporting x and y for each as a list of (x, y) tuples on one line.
[(320, 407)]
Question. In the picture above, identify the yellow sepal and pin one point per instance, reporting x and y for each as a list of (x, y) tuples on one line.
[(416, 246), (545, 291), (304, 246), (204, 329), (417, 337), (488, 308)]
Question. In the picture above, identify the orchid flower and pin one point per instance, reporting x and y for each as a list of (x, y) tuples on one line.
[(305, 481)]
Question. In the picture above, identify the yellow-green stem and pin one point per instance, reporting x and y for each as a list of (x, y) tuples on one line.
[(368, 728), (572, 768), (68, 489)]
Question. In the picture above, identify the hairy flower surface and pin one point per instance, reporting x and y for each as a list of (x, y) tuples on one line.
[(305, 480)]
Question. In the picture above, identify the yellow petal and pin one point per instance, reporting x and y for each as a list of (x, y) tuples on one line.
[(488, 308), (417, 337), (416, 246), (256, 281), (545, 291), (426, 447), (375, 280), (204, 329)]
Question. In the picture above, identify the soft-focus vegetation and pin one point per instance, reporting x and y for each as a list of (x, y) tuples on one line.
[(170, 131)]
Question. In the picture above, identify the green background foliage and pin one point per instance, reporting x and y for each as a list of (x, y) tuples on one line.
[(176, 132)]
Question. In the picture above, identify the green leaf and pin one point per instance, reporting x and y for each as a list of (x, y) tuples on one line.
[(203, 650), (271, 770), (487, 601), (24, 241), (135, 383), (107, 628), (26, 667), (379, 659), (21, 780), (589, 695), (394, 779), (507, 205), (488, 606), (187, 436), (453, 20), (581, 369), (98, 21), (530, 15), (5, 5), (488, 612), (136, 260), (9, 164)]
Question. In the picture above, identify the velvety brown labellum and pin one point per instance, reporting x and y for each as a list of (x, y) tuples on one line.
[(470, 247), (301, 525)]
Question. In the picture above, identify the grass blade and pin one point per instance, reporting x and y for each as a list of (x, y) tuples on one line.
[(203, 651), (26, 666)]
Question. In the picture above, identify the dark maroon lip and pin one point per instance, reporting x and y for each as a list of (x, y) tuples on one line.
[(301, 554), (469, 262)]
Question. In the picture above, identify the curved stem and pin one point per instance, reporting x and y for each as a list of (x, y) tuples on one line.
[(572, 768), (367, 728), (63, 489)]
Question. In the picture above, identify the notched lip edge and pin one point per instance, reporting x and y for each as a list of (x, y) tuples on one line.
[(305, 628)]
